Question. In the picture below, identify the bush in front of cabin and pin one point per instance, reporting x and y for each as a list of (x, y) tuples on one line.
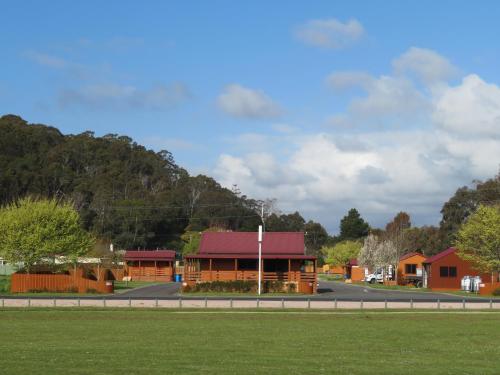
[(496, 292), (274, 287), (235, 286)]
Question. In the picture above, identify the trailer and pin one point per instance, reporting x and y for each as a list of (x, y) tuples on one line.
[(415, 280)]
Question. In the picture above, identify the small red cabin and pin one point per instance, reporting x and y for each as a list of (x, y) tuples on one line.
[(444, 271), (149, 265)]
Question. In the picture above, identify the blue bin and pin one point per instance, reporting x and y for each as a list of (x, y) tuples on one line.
[(178, 278)]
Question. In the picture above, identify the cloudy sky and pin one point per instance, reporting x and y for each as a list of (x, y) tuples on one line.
[(380, 105)]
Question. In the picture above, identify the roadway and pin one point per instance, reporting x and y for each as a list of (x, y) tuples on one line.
[(327, 291)]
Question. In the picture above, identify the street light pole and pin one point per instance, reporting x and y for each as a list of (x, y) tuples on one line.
[(260, 259)]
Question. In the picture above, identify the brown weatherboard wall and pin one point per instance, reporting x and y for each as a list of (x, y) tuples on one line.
[(22, 283), (357, 273), (148, 270), (464, 268), (415, 259)]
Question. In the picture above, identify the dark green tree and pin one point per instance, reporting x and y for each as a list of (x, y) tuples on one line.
[(352, 226)]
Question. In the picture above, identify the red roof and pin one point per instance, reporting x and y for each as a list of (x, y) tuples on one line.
[(442, 254), (353, 262), (160, 255), (409, 255), (277, 245), (249, 256)]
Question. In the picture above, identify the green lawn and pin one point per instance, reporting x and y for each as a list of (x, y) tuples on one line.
[(169, 342), (327, 277)]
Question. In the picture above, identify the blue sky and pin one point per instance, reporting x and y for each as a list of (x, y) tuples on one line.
[(380, 105)]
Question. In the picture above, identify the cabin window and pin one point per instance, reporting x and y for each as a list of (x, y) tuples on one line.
[(448, 271), (276, 265), (411, 269), (453, 272), (247, 265)]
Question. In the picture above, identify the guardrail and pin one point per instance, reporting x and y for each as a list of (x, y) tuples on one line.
[(248, 303)]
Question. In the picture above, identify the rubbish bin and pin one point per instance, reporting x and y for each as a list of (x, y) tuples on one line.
[(110, 288), (178, 278)]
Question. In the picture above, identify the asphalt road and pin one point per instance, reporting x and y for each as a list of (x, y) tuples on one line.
[(343, 291), (153, 291), (326, 290)]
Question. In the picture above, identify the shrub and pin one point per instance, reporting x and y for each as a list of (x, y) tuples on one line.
[(274, 287), (92, 290), (238, 286), (291, 288), (4, 284), (496, 292)]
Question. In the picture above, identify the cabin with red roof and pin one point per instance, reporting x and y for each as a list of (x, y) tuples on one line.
[(228, 256), (354, 272), (444, 271), (149, 265), (410, 268)]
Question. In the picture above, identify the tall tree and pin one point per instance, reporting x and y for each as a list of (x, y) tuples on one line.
[(464, 203), (478, 240), (34, 231), (352, 226), (427, 239), (368, 253), (394, 245), (315, 237), (342, 252)]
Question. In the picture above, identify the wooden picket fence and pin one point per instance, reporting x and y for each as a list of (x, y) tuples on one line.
[(22, 283)]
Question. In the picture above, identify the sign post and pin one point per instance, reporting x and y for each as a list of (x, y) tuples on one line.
[(260, 259)]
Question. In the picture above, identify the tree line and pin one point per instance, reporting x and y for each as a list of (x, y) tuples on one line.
[(138, 198), (127, 194)]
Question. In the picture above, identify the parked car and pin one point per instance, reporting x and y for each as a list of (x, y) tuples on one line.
[(376, 277)]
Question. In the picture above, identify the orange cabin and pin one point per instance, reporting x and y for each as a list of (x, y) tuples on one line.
[(410, 268), (149, 265)]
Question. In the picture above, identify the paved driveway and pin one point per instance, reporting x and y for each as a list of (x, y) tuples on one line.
[(327, 290), (153, 291), (343, 291)]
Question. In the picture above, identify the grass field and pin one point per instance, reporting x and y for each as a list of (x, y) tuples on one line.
[(183, 342)]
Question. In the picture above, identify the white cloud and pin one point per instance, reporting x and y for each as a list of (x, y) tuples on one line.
[(446, 136), (471, 108), (350, 79), (389, 96), (429, 66), (115, 96), (244, 102), (330, 33), (47, 60)]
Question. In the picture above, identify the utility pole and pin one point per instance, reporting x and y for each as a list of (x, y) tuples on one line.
[(260, 259)]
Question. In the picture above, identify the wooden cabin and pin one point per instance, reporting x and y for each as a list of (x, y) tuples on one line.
[(228, 256), (149, 265), (410, 269), (354, 272), (444, 271)]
